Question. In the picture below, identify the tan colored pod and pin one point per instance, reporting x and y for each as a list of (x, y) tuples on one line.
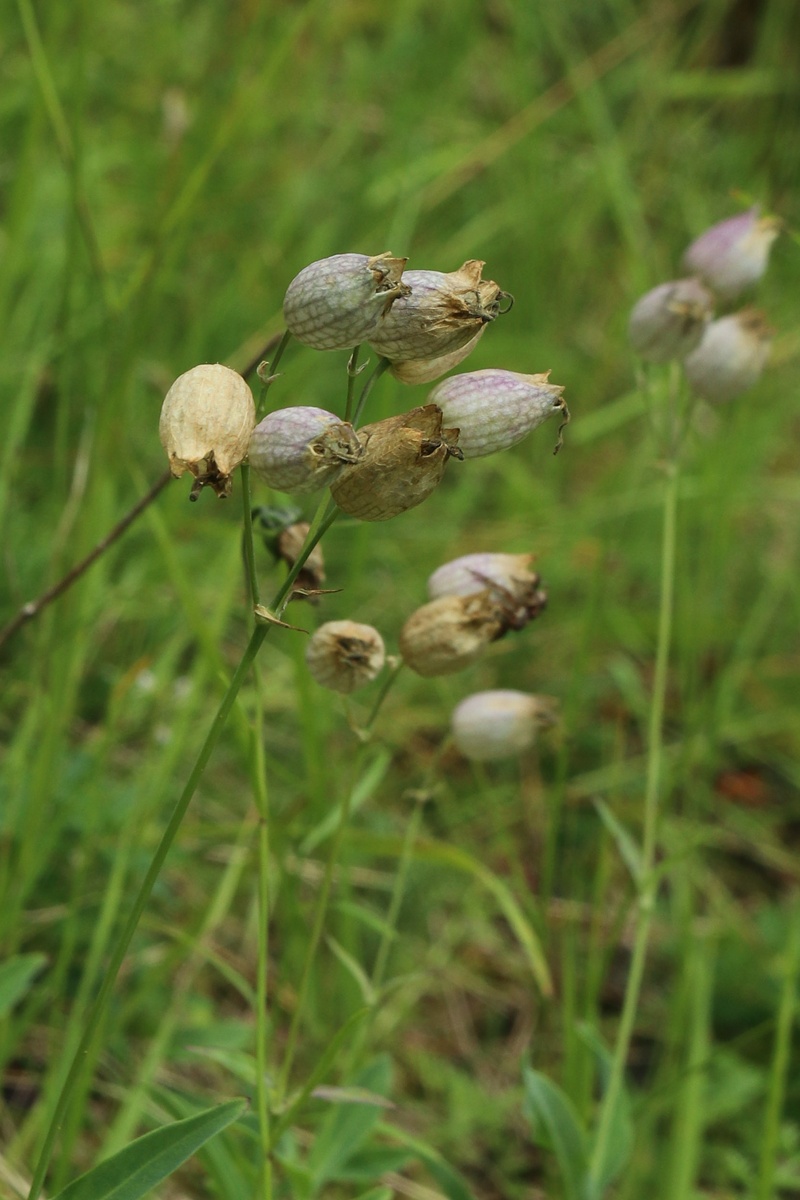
[(206, 421), (344, 656), (425, 370), (450, 633), (404, 460)]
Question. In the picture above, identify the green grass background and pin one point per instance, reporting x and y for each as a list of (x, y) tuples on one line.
[(165, 169)]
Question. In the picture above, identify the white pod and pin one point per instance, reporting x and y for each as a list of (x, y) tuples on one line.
[(733, 254), (302, 449), (335, 303), (344, 656), (206, 421), (473, 572), (669, 321), (495, 409), (499, 724), (731, 356)]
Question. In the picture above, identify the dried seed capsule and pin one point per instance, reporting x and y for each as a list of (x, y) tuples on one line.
[(344, 656), (499, 724), (442, 313), (425, 370), (288, 545), (731, 356), (669, 321), (300, 450), (471, 573), (452, 632), (495, 409), (206, 421), (403, 461), (732, 255), (335, 303)]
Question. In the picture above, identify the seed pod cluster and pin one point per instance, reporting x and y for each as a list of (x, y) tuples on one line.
[(206, 421), (344, 655), (300, 450), (403, 460)]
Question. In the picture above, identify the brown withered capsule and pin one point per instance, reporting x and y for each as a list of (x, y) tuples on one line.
[(344, 656), (452, 632), (403, 461), (288, 545), (206, 421)]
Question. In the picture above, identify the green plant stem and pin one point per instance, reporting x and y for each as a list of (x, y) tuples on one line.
[(267, 383), (781, 1052), (324, 517), (649, 886), (398, 892), (249, 550), (353, 372), (261, 796), (382, 365), (94, 1018)]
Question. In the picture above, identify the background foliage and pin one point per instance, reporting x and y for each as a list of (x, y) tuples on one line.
[(166, 168)]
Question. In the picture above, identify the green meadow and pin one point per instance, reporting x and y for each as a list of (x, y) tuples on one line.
[(262, 940)]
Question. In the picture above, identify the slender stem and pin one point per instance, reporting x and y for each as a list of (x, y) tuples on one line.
[(324, 517), (382, 365), (649, 886), (249, 550), (267, 382), (93, 1020), (261, 795), (398, 892), (316, 932), (780, 1065), (386, 687), (353, 372), (34, 607)]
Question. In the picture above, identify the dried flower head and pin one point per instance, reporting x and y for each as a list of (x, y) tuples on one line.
[(442, 313), (335, 303), (344, 656), (495, 409), (732, 255), (302, 449), (499, 724), (452, 632), (669, 321), (731, 356), (206, 421), (403, 461)]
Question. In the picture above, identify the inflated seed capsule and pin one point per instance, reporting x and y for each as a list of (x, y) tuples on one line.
[(495, 409), (425, 370), (731, 356), (403, 460), (442, 313), (206, 421), (471, 573), (344, 656), (302, 449), (669, 321), (452, 632), (499, 724), (732, 255), (335, 303)]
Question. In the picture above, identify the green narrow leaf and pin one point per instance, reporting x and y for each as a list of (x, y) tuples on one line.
[(16, 976), (628, 850), (354, 969), (361, 793), (620, 1141), (142, 1165), (557, 1127), (453, 1185), (348, 1126)]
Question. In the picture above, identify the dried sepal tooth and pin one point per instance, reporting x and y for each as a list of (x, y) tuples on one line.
[(495, 409), (302, 449), (336, 302), (508, 574), (731, 357), (403, 461), (443, 312), (733, 254), (425, 370), (344, 655), (500, 724), (669, 321), (206, 421)]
